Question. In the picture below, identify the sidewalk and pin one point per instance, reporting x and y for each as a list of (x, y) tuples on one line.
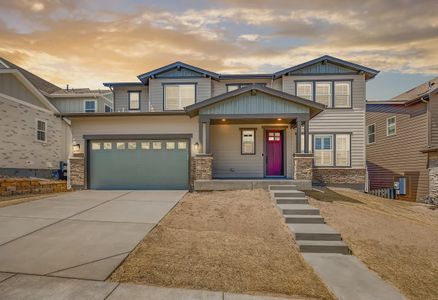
[(29, 287)]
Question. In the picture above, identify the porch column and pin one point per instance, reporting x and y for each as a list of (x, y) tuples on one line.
[(306, 136), (298, 135), (204, 136)]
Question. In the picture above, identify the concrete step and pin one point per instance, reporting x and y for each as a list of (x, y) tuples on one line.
[(284, 194), (298, 209), (314, 232), (301, 200), (323, 247), (289, 187), (304, 219)]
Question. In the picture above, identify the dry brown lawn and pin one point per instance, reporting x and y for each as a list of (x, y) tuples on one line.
[(232, 241), (13, 200), (396, 239)]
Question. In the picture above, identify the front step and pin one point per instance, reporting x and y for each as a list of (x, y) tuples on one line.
[(298, 209), (289, 187), (288, 194), (314, 232), (323, 247), (304, 219), (292, 201)]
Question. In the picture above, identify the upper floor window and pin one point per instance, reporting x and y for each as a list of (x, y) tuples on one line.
[(342, 94), (134, 100), (371, 134), (305, 90), (41, 131), (235, 86), (178, 96), (90, 106), (391, 126), (108, 108), (323, 93)]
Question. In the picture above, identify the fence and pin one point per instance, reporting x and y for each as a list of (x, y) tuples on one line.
[(389, 193)]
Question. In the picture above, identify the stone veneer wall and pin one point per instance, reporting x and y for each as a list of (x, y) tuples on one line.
[(433, 174), (201, 168), (303, 164), (339, 176), (24, 186), (77, 171)]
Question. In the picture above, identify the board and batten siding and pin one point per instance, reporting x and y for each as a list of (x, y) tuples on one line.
[(340, 120), (121, 98), (76, 105), (433, 102), (400, 154), (156, 90), (11, 86), (228, 162)]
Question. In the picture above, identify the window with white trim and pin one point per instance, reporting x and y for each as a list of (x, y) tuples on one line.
[(304, 90), (248, 141), (90, 106), (323, 93), (134, 100), (342, 150), (371, 134), (391, 124), (323, 152), (178, 96), (342, 94), (41, 131)]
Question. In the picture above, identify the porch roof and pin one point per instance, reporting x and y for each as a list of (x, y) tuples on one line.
[(272, 102)]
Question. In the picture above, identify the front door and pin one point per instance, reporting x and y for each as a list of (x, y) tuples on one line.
[(274, 153)]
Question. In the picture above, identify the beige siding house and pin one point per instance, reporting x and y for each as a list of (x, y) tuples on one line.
[(184, 124), (400, 142)]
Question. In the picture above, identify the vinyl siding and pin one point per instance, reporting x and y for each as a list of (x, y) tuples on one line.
[(434, 119), (203, 90), (399, 155), (228, 161), (121, 98), (75, 105), (220, 87), (337, 120), (11, 86)]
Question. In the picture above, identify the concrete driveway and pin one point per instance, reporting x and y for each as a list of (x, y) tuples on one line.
[(83, 235)]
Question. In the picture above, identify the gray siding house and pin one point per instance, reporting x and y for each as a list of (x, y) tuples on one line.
[(180, 124)]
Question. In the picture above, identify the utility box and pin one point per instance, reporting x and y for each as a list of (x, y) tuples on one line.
[(402, 188)]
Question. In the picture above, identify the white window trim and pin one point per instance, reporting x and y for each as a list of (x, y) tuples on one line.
[(350, 97), (106, 105), (331, 89), (332, 136), (179, 96), (85, 105), (368, 134), (335, 150), (395, 126), (36, 130), (129, 100), (312, 88)]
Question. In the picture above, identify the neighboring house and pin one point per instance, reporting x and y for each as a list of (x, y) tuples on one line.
[(402, 141), (34, 138), (181, 123)]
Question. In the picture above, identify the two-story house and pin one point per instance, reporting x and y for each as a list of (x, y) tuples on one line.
[(180, 124), (402, 142), (34, 139)]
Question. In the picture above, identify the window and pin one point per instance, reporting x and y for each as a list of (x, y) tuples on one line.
[(120, 146), (95, 146), (302, 143), (170, 145), (156, 145), (305, 90), (371, 134), (391, 126), (342, 94), (182, 145), (323, 93), (134, 100), (107, 146), (235, 86), (342, 150), (323, 150), (248, 141), (178, 96), (41, 131), (108, 108), (145, 145), (90, 106), (132, 145)]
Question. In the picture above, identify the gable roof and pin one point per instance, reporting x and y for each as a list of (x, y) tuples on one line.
[(315, 108), (145, 76), (38, 82), (370, 73), (417, 91)]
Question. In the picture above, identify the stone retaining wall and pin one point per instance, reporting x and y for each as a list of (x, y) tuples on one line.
[(23, 186), (339, 176)]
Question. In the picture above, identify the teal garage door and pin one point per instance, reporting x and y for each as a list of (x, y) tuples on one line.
[(139, 164)]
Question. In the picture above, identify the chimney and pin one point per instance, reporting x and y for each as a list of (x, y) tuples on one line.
[(67, 87)]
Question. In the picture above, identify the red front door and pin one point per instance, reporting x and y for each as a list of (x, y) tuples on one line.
[(274, 153)]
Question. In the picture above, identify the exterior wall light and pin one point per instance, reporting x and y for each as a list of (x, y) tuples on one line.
[(196, 146), (76, 148)]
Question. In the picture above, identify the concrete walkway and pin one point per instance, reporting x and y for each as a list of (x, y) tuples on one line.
[(30, 287), (83, 235)]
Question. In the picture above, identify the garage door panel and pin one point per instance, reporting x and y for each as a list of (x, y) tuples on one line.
[(141, 168)]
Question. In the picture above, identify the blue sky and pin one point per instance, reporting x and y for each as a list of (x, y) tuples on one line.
[(84, 43)]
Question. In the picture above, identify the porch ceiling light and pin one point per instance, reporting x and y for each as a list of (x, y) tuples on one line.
[(279, 119), (223, 120)]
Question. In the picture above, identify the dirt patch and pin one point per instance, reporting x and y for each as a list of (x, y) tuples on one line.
[(225, 241), (397, 239)]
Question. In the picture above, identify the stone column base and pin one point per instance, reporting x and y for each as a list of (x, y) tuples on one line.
[(201, 168), (77, 171), (303, 166), (339, 176)]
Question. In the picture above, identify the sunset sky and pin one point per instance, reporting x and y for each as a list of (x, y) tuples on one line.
[(84, 43)]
